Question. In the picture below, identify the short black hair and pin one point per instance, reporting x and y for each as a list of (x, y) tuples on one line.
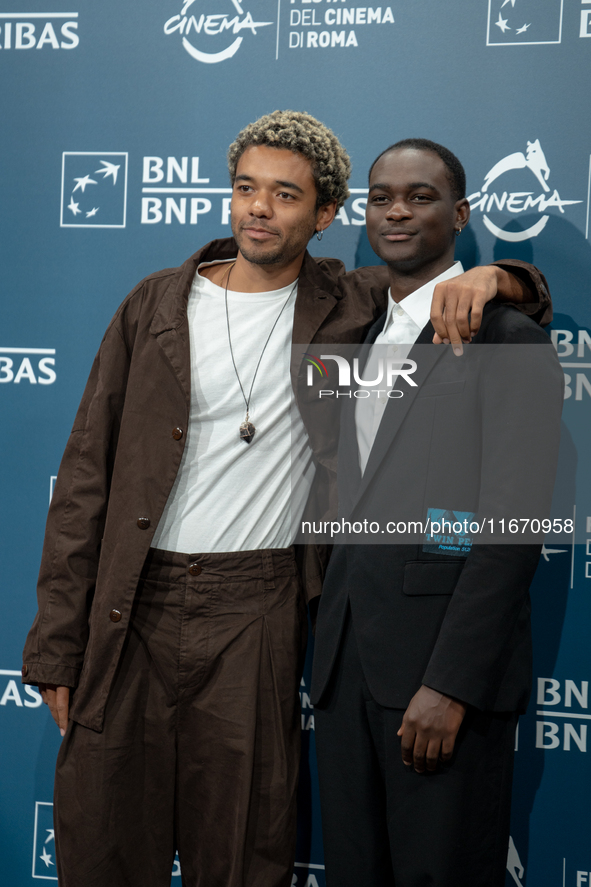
[(455, 170)]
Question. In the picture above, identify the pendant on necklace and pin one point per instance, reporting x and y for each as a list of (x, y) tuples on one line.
[(247, 431)]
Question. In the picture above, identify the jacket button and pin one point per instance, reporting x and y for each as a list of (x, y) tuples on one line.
[(115, 615), (177, 433), (195, 569), (143, 523), (24, 670)]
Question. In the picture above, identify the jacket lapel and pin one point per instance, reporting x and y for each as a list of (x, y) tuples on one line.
[(170, 326), (350, 479), (397, 410)]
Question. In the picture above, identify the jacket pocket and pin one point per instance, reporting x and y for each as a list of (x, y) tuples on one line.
[(434, 577)]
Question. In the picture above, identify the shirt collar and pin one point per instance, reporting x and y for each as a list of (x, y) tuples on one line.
[(417, 305)]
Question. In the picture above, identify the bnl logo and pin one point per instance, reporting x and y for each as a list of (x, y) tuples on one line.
[(94, 189), (44, 843), (562, 729), (521, 22)]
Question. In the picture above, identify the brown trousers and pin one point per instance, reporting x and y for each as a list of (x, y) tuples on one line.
[(200, 746)]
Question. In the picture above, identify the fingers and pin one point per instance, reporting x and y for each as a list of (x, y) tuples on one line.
[(57, 700), (437, 308), (447, 747), (419, 752), (429, 729), (433, 755), (49, 697), (450, 315), (476, 309), (62, 706), (456, 316), (407, 745), (457, 306)]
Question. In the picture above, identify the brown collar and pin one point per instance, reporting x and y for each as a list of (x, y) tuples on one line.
[(317, 289)]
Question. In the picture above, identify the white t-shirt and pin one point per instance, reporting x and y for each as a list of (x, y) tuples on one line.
[(230, 495)]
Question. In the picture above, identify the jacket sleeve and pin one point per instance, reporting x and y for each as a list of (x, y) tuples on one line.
[(521, 403), (373, 281), (56, 643), (312, 561)]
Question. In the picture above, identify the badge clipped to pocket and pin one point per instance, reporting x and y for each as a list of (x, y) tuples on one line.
[(449, 532)]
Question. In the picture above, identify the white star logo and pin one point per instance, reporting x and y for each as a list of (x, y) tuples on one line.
[(46, 857), (92, 212), (502, 24), (74, 207), (110, 169), (523, 29), (83, 182)]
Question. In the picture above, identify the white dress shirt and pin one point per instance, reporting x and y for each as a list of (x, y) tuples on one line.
[(402, 327)]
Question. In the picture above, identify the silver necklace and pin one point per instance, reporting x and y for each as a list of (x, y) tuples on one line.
[(247, 429)]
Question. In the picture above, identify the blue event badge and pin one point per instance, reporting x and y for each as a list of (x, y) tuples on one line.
[(448, 532)]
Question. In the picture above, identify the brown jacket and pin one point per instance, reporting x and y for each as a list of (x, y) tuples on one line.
[(124, 452)]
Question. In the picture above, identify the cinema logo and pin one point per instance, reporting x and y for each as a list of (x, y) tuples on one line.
[(516, 202), (387, 372), (564, 729), (32, 365), (207, 36), (38, 30)]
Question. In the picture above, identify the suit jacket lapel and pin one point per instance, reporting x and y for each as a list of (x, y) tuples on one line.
[(374, 332), (396, 410), (350, 479)]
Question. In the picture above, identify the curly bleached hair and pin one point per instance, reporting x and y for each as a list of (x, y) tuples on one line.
[(303, 134)]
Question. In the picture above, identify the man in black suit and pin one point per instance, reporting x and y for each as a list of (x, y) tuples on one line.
[(423, 649)]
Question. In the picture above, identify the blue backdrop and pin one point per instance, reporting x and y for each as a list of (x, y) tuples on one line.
[(115, 120)]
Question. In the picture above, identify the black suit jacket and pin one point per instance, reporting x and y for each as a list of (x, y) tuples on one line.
[(477, 434)]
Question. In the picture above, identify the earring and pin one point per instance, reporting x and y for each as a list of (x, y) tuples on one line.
[(319, 234), (458, 232)]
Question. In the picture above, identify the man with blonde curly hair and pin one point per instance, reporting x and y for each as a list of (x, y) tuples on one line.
[(172, 625), (302, 134)]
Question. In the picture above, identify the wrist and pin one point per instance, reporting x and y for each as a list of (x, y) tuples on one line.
[(509, 287)]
